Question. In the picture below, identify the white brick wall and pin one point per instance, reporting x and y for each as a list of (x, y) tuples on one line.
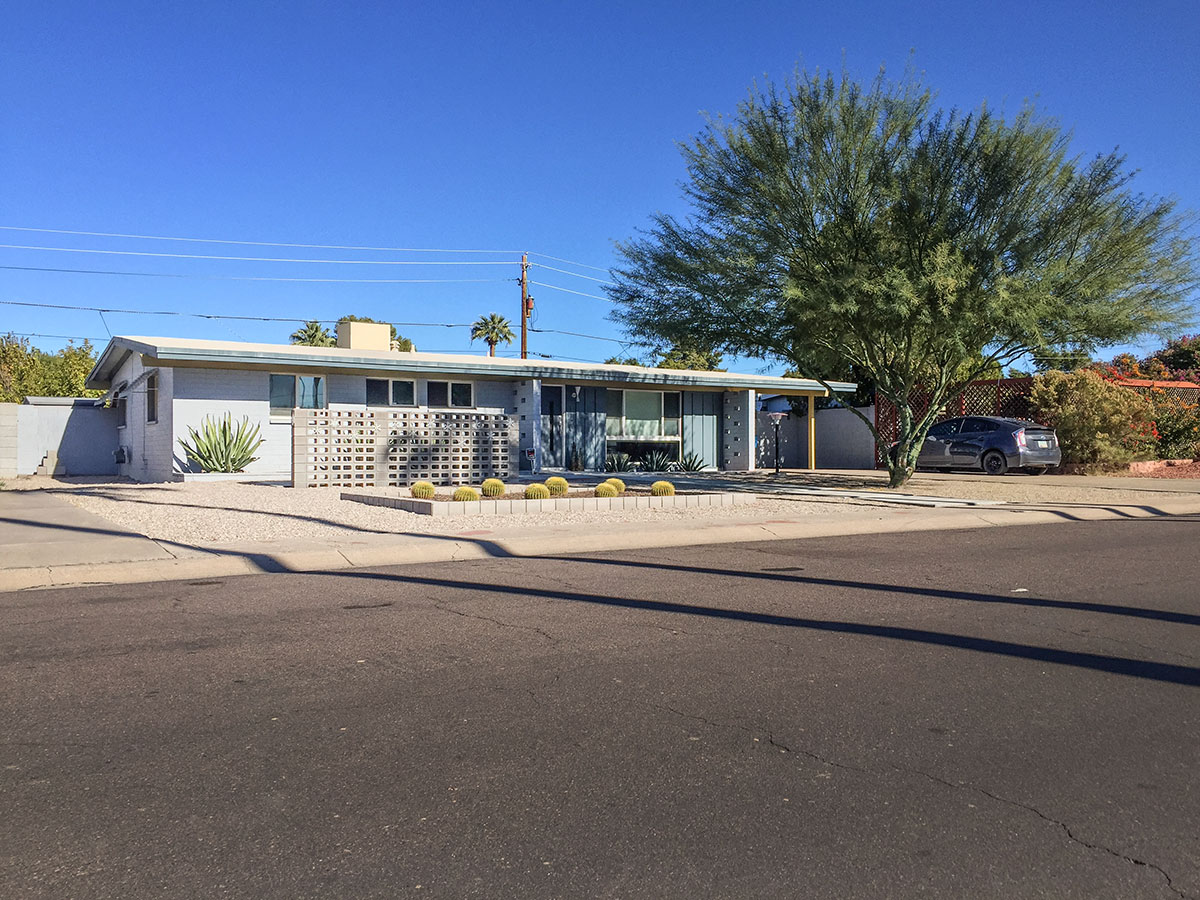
[(214, 392), (148, 445)]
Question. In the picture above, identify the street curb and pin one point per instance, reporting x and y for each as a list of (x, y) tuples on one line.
[(227, 562)]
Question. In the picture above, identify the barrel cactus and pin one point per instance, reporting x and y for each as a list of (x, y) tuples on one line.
[(604, 489), (537, 492), (617, 483), (662, 489), (492, 487), (465, 494), (422, 490), (557, 486)]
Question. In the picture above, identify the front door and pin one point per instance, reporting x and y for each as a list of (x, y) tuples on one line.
[(554, 455)]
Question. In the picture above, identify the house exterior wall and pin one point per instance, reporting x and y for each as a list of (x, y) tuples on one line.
[(701, 427), (738, 431), (528, 397), (148, 446), (199, 393)]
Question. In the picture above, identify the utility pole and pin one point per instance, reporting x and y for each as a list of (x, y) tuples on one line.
[(526, 305)]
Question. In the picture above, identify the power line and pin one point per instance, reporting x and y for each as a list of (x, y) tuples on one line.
[(594, 337), (150, 312), (555, 287), (155, 237), (569, 262), (553, 269), (265, 278), (343, 262), (61, 337)]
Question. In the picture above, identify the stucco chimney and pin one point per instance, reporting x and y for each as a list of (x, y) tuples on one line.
[(364, 336)]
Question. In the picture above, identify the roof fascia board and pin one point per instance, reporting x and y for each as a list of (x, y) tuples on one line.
[(210, 357)]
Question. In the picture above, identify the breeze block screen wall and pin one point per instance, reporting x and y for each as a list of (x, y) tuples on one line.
[(394, 448)]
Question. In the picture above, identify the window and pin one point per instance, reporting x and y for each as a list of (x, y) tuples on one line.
[(643, 414), (289, 392), (614, 425), (461, 395), (944, 429), (152, 399), (979, 426), (671, 404), (446, 393), (404, 393), (120, 399), (381, 392)]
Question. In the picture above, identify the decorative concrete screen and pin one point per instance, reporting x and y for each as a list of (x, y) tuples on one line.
[(394, 448)]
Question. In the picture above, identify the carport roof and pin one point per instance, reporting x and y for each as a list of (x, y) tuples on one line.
[(281, 357)]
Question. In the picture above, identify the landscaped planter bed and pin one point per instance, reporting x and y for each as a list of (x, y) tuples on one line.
[(581, 501)]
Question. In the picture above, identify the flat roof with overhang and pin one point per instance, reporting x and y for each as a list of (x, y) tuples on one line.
[(179, 352)]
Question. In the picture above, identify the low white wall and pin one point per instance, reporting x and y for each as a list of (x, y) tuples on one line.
[(843, 440), (83, 435)]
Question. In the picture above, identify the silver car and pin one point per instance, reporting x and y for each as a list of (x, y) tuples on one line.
[(994, 445)]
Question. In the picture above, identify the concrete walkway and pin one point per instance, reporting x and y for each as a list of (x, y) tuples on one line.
[(48, 542)]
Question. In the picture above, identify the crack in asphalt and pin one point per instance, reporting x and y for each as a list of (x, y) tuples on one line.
[(799, 751), (1063, 825), (502, 624), (785, 748)]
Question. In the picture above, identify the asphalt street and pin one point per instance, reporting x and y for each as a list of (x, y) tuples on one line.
[(1010, 712)]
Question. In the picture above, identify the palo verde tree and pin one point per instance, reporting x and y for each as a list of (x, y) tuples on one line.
[(835, 225), (492, 329)]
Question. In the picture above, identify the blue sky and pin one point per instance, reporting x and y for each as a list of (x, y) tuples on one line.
[(540, 127)]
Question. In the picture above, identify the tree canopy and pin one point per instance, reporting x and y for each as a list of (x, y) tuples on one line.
[(492, 329), (835, 224), (313, 334), (26, 371)]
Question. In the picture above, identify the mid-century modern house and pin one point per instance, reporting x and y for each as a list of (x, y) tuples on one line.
[(361, 413)]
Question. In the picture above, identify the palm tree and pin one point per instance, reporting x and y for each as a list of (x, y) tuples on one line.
[(314, 334), (492, 329)]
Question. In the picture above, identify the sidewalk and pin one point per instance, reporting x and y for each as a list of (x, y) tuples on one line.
[(46, 541)]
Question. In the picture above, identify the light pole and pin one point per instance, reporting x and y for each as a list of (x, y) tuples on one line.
[(776, 419)]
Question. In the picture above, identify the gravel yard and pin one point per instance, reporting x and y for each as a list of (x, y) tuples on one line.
[(228, 512)]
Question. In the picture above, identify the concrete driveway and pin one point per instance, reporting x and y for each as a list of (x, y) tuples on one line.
[(39, 530)]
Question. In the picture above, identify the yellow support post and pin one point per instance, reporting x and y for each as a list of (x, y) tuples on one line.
[(812, 433)]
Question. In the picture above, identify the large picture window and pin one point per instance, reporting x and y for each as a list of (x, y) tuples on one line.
[(290, 392), (642, 415)]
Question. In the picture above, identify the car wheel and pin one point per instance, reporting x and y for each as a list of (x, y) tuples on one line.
[(1037, 470), (994, 463)]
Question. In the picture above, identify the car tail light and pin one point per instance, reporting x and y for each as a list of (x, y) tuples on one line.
[(1019, 434)]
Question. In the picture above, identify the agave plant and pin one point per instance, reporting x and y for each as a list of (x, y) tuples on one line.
[(219, 446), (692, 462), (618, 462), (656, 461)]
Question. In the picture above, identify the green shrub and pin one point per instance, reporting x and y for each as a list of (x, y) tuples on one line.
[(465, 494), (422, 490), (617, 483), (662, 489), (1177, 423), (557, 486), (604, 489), (537, 492), (220, 447), (692, 462), (492, 487), (1098, 423)]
